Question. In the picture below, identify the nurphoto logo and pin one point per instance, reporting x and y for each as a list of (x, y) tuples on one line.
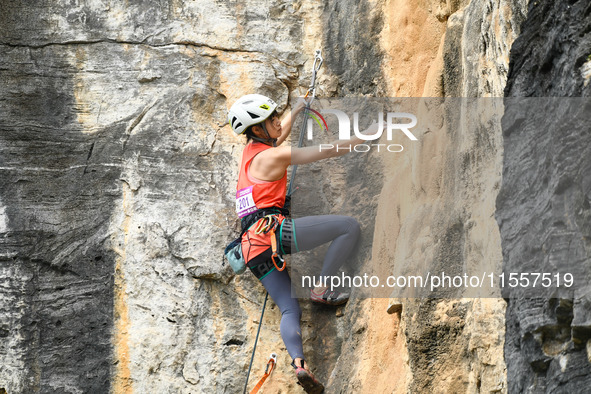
[(394, 122)]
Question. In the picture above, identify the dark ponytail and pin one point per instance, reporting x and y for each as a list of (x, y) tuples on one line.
[(249, 134)]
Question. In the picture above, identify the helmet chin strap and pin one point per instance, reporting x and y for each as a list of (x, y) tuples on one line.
[(268, 140)]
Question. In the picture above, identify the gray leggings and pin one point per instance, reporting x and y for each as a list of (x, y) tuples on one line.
[(310, 232)]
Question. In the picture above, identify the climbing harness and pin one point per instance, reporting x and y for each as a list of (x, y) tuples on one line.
[(263, 264), (268, 223), (233, 252), (268, 370)]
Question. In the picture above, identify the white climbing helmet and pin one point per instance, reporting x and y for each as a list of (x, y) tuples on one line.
[(250, 110)]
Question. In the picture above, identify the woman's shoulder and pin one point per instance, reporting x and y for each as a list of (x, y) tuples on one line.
[(272, 159)]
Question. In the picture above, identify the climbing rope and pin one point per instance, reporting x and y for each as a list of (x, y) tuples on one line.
[(255, 343)]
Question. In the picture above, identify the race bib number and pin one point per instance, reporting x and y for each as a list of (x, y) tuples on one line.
[(244, 202)]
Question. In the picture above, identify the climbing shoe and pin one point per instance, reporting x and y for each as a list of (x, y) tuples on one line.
[(329, 297), (307, 380)]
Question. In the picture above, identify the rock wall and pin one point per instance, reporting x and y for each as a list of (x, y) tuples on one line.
[(117, 193), (543, 207), (437, 207), (118, 174), (59, 187)]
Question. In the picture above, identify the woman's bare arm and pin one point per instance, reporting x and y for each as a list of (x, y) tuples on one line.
[(287, 121), (336, 148), (270, 165)]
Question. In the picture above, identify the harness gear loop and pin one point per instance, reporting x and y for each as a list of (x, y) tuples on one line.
[(268, 370), (268, 224)]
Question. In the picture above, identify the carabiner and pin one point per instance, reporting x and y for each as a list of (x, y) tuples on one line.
[(272, 362), (318, 60)]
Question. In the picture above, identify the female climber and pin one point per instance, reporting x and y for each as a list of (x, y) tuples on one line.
[(260, 205)]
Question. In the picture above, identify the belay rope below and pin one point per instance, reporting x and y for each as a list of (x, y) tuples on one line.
[(255, 344), (310, 95)]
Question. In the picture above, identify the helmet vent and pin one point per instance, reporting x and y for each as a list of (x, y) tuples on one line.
[(234, 119), (247, 102), (237, 125), (253, 116)]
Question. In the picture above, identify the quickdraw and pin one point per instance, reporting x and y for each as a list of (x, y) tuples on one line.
[(266, 224), (275, 255), (268, 370), (311, 93), (318, 60)]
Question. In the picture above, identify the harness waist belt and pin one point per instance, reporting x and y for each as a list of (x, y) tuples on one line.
[(251, 219)]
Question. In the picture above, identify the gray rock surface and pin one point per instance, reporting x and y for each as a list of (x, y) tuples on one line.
[(543, 207), (59, 187), (116, 199), (477, 44)]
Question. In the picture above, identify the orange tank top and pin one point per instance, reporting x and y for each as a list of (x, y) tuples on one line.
[(253, 194), (264, 194)]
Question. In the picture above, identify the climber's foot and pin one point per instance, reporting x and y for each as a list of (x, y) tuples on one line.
[(307, 380), (328, 297)]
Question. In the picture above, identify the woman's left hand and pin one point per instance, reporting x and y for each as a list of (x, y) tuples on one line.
[(299, 105)]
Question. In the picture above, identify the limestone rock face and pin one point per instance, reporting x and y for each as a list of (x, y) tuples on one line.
[(118, 175), (477, 44), (543, 207), (59, 187), (445, 216), (118, 180), (557, 65)]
